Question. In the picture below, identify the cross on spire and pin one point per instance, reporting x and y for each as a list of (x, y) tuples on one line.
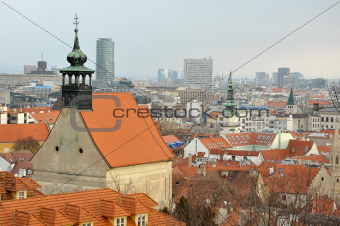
[(76, 22)]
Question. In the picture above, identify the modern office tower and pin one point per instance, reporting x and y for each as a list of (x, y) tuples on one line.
[(105, 61), (274, 78), (163, 74), (173, 75), (29, 69), (281, 73), (198, 73), (262, 78), (320, 83)]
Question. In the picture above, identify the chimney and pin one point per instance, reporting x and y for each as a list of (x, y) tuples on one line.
[(249, 153), (190, 160), (330, 136), (269, 145), (22, 172), (202, 170)]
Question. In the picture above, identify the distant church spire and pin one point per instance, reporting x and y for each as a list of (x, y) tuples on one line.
[(230, 103), (291, 100)]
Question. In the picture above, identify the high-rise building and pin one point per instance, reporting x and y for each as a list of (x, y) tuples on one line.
[(105, 61), (281, 73), (163, 74), (29, 69), (262, 78), (198, 73), (173, 75)]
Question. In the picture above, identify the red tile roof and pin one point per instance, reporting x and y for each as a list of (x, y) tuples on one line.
[(170, 138), (243, 153), (50, 117), (276, 154), (328, 131), (300, 146), (215, 143), (10, 133), (313, 158), (280, 90), (272, 103), (21, 159), (320, 102), (324, 149), (251, 138), (137, 141), (51, 209)]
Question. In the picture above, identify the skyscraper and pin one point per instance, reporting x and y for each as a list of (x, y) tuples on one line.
[(262, 78), (105, 61), (163, 74), (198, 73), (281, 73)]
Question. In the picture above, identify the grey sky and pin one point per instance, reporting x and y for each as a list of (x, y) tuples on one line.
[(152, 34)]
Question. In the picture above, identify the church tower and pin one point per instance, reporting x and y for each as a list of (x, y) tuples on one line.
[(75, 91), (230, 120), (335, 167), (291, 107)]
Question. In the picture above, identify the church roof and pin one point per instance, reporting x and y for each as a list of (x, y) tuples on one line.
[(137, 141), (291, 100)]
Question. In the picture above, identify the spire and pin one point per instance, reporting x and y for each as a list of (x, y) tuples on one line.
[(291, 100), (230, 104), (76, 57)]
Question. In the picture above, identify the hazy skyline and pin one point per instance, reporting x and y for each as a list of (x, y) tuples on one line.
[(153, 34)]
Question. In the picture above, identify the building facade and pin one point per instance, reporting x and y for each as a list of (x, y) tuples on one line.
[(198, 73), (262, 78), (104, 61)]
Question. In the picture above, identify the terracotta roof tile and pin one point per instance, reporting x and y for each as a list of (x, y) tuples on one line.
[(54, 206), (251, 138), (215, 143), (170, 138), (313, 158), (324, 149), (50, 117), (320, 102), (146, 144), (10, 133), (78, 214)]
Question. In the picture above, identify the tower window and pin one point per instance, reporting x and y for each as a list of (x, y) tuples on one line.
[(337, 160), (81, 151), (322, 178), (56, 148)]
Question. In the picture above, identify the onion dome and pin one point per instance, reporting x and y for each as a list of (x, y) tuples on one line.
[(76, 57)]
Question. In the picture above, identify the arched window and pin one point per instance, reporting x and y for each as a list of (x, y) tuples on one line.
[(332, 119), (322, 119), (326, 119), (337, 160)]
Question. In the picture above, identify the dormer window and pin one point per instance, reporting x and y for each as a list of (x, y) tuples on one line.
[(141, 220), (86, 224), (21, 195), (120, 221)]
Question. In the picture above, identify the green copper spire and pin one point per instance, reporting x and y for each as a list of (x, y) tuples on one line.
[(230, 104), (76, 58), (291, 100)]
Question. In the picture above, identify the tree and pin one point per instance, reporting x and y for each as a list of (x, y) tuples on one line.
[(27, 143), (194, 213)]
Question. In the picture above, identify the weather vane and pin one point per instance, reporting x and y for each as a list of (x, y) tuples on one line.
[(76, 22)]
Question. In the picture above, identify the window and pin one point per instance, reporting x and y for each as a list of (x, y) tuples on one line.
[(141, 220), (21, 194), (87, 224), (322, 178), (284, 197), (332, 119), (337, 160), (120, 221)]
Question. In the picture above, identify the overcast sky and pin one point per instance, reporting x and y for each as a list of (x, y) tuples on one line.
[(152, 34)]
